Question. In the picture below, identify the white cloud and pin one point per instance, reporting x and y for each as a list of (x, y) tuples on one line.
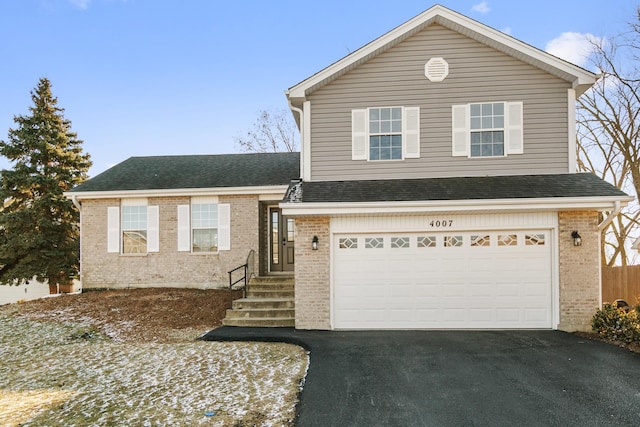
[(573, 47), (482, 8), (80, 4)]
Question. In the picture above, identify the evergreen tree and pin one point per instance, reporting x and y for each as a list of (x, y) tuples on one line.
[(39, 233)]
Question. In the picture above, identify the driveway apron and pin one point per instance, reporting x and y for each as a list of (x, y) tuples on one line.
[(459, 378)]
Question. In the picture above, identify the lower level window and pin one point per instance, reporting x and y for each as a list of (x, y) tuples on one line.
[(134, 229), (204, 227)]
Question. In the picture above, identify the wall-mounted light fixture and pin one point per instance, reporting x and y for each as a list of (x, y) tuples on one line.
[(314, 243), (577, 239)]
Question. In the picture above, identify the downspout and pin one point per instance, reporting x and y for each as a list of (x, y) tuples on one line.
[(301, 114), (617, 207), (76, 203)]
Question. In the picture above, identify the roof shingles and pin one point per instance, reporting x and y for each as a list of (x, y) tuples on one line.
[(463, 188), (196, 171)]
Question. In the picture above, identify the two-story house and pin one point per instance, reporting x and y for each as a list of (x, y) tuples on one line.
[(435, 188)]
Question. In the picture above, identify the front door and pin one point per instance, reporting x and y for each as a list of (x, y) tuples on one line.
[(281, 232)]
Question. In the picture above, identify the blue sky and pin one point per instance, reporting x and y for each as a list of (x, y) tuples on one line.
[(159, 77)]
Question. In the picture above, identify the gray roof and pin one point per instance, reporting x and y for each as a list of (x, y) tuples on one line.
[(463, 188), (197, 171)]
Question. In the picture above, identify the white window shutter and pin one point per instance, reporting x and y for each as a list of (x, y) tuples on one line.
[(184, 229), (113, 229), (514, 136), (411, 133), (153, 229), (460, 130), (359, 135), (224, 227)]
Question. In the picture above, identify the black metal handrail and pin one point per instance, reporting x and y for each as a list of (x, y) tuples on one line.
[(249, 272)]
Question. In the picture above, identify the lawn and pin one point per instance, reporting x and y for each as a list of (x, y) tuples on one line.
[(85, 360)]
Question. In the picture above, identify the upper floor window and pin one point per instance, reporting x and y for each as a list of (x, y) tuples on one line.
[(385, 133), (487, 129)]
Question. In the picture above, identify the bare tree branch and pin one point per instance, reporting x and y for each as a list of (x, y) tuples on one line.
[(609, 131), (272, 132)]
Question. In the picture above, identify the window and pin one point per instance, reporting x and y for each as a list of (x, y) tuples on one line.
[(348, 243), (373, 242), (451, 241), (399, 242), (134, 229), (204, 227), (427, 241), (385, 133), (487, 129)]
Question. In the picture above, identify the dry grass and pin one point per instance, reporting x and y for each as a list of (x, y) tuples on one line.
[(90, 359)]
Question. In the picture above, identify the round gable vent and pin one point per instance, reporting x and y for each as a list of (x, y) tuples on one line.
[(436, 69)]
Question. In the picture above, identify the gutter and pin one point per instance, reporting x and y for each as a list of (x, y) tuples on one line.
[(617, 207), (421, 207)]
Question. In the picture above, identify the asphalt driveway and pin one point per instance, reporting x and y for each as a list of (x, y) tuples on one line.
[(459, 378)]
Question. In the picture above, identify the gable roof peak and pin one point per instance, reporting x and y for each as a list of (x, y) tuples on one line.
[(580, 78)]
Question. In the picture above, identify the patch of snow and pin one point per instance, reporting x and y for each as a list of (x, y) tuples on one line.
[(115, 383)]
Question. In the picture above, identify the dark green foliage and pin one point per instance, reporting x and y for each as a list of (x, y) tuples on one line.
[(38, 224), (617, 324)]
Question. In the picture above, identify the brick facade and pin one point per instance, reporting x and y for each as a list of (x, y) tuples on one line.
[(579, 270), (168, 267), (312, 274)]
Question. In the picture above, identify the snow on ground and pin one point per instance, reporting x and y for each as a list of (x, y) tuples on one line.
[(72, 375)]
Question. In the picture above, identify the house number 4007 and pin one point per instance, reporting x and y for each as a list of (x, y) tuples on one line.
[(441, 223)]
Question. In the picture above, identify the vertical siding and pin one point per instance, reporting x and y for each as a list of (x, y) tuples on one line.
[(477, 73)]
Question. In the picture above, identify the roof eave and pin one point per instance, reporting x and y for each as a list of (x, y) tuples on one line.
[(276, 190), (600, 203)]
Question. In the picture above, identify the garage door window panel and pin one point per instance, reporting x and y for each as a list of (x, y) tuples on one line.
[(426, 241), (399, 242), (480, 240), (534, 240), (508, 240), (453, 241), (348, 243), (374, 243)]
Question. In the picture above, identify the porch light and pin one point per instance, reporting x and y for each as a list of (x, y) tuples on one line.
[(577, 239), (314, 243)]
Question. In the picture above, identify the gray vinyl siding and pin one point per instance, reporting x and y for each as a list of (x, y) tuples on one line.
[(477, 73)]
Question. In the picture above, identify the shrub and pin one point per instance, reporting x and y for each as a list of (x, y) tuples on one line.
[(617, 324)]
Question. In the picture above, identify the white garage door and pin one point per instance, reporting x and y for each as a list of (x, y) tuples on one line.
[(442, 280)]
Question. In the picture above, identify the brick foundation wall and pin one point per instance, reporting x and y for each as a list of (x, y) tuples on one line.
[(312, 274), (579, 270), (167, 268)]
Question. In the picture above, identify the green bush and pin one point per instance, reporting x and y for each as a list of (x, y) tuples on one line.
[(617, 324)]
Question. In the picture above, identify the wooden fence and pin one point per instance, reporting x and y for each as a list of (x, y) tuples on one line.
[(621, 283)]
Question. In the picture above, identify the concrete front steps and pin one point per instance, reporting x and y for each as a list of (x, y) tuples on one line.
[(270, 303)]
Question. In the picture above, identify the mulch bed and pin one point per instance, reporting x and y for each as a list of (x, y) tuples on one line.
[(153, 314)]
